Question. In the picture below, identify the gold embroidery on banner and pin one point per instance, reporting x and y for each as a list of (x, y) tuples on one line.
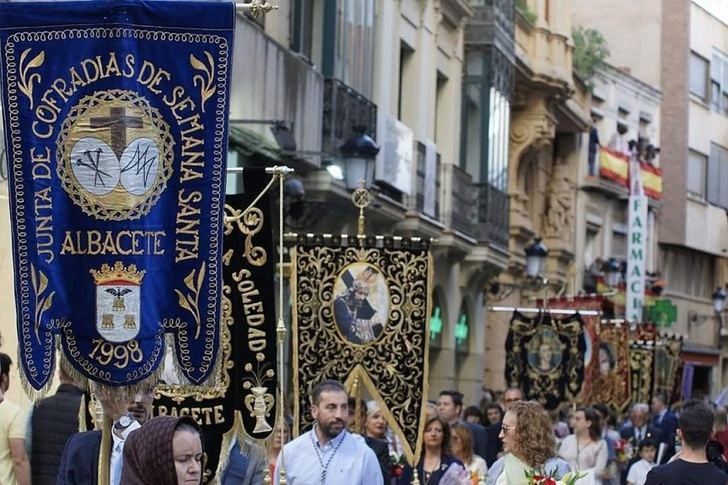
[(190, 301), (179, 393), (321, 351), (115, 155), (259, 402), (42, 303), (41, 370), (207, 87), (25, 84), (249, 222)]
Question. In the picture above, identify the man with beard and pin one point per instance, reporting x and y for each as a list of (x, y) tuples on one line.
[(328, 454), (80, 461)]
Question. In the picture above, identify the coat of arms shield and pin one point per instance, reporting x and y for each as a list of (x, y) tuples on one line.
[(118, 295)]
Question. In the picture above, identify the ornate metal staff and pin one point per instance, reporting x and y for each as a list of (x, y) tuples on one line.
[(255, 7)]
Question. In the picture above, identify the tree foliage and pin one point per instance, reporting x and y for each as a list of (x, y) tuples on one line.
[(590, 53), (529, 15)]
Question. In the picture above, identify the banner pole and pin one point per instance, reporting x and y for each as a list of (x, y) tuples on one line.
[(255, 8), (280, 173), (105, 452)]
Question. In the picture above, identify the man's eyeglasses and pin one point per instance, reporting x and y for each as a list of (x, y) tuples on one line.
[(506, 427)]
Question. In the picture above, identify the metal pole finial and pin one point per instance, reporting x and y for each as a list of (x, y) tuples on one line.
[(361, 198), (256, 7)]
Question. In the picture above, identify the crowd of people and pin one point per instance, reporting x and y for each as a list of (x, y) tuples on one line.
[(504, 440)]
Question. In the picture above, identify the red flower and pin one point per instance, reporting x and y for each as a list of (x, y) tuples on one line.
[(397, 471), (549, 481)]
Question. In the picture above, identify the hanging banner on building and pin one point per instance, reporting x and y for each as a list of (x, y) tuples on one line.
[(116, 118), (611, 385), (360, 303), (636, 247), (242, 404), (545, 357)]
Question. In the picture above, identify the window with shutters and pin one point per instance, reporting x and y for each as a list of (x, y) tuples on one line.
[(699, 76), (717, 188), (719, 81), (697, 167)]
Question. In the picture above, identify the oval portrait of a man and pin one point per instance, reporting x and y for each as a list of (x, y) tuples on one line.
[(361, 303), (545, 351)]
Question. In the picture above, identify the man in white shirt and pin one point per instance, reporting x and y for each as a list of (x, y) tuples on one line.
[(329, 454)]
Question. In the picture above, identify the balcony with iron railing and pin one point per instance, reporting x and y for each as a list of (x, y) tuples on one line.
[(463, 214), (426, 190), (492, 216), (343, 109)]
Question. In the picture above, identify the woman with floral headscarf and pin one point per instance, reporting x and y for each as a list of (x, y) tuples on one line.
[(165, 451)]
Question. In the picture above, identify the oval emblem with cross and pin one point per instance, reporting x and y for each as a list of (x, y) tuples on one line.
[(115, 155)]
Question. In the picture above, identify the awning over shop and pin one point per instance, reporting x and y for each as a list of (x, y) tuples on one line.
[(699, 355)]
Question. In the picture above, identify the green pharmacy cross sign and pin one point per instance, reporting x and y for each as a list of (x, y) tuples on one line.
[(461, 330), (435, 324), (662, 313)]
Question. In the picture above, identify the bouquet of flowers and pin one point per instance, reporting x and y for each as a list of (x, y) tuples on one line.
[(455, 475), (397, 464), (623, 449), (536, 478)]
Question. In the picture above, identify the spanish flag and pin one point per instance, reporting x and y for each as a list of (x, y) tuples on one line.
[(614, 166)]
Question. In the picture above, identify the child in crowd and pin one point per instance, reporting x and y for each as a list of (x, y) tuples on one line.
[(637, 474)]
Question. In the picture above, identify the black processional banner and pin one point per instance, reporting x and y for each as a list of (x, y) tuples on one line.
[(362, 308), (242, 404), (116, 127), (545, 357), (641, 356)]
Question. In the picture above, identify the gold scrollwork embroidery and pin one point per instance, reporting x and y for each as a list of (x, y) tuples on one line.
[(25, 84), (259, 402), (250, 223), (42, 303), (190, 301), (207, 89)]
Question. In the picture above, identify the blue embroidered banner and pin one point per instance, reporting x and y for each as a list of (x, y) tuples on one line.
[(116, 127)]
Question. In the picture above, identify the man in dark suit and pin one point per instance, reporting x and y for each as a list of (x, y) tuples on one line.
[(450, 408), (638, 431), (667, 422), (80, 460)]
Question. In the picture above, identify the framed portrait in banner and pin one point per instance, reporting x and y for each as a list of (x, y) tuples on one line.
[(545, 357), (358, 303), (611, 384), (667, 363), (116, 128)]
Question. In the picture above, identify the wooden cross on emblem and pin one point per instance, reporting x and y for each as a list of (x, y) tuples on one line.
[(117, 121)]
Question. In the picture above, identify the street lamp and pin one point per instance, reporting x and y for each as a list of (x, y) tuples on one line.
[(610, 268), (719, 297), (358, 154), (536, 255)]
